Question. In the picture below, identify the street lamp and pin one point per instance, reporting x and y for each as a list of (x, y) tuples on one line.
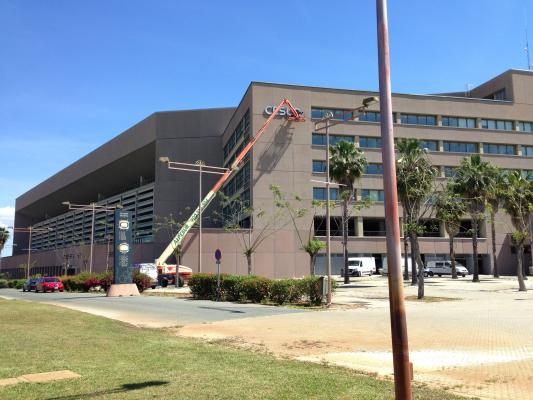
[(200, 167), (90, 207), (30, 230), (327, 120)]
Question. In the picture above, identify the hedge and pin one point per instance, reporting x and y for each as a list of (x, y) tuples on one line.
[(257, 289)]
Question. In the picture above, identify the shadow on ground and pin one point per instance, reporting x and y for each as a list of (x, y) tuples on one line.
[(124, 388)]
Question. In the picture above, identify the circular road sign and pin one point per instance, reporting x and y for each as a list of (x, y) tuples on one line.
[(218, 255)]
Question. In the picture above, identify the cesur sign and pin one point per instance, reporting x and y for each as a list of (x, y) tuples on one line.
[(284, 111)]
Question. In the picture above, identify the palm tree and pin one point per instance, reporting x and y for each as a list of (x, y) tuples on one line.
[(449, 209), (518, 203), (415, 181), (346, 165), (473, 180), (494, 197)]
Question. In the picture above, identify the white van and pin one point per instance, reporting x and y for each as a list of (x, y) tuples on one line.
[(384, 270), (440, 268), (359, 266)]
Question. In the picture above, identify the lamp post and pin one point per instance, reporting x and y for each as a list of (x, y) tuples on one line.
[(201, 168), (93, 207), (29, 230), (327, 120)]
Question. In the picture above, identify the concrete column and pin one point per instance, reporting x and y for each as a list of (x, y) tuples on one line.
[(519, 150), (478, 123), (442, 230), (441, 145), (516, 125), (359, 226), (439, 120), (480, 148), (398, 118), (482, 229), (441, 172)]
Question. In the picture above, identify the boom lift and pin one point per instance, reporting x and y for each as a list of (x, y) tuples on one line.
[(292, 115)]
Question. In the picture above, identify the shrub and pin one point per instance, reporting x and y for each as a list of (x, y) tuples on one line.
[(286, 291), (16, 283), (232, 289), (106, 280), (4, 284), (203, 286), (256, 288), (142, 281)]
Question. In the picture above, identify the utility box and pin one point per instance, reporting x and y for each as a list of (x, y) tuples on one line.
[(324, 287)]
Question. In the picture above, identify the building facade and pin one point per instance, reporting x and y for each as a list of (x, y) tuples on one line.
[(494, 119)]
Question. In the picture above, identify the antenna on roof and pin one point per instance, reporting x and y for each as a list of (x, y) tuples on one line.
[(526, 49)]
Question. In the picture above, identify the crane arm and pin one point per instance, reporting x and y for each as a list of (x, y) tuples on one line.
[(292, 115)]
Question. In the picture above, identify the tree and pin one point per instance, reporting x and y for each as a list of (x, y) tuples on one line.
[(494, 196), (518, 203), (415, 181), (237, 211), (449, 209), (4, 236), (473, 180), (346, 165)]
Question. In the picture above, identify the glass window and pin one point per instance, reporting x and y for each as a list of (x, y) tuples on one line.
[(316, 113), (374, 169), (370, 142), (460, 147), (334, 139), (490, 148), (319, 139), (525, 126), (449, 172), (319, 166), (415, 119), (431, 145), (497, 124), (320, 193), (459, 122), (373, 194), (527, 151), (370, 116)]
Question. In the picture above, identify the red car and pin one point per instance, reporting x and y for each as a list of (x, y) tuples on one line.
[(49, 284)]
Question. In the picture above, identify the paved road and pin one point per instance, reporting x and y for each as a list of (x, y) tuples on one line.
[(150, 310)]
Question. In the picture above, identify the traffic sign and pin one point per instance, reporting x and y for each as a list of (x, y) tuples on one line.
[(218, 255)]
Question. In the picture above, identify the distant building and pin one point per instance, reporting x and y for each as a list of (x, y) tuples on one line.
[(494, 119)]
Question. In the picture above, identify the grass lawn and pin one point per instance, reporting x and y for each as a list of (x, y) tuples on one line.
[(118, 361)]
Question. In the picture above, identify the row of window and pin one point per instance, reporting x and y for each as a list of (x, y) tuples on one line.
[(239, 181), (241, 130), (423, 119)]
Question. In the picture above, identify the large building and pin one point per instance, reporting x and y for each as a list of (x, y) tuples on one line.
[(494, 119)]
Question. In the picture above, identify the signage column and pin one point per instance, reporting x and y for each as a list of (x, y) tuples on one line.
[(122, 269)]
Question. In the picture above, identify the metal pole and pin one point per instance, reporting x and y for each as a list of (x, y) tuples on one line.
[(400, 347), (92, 239), (218, 280), (29, 255), (200, 220), (328, 227)]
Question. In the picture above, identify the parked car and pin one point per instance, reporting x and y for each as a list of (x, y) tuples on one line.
[(440, 268), (49, 284), (359, 266), (384, 270), (29, 285)]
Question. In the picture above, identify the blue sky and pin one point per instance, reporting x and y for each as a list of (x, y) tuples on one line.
[(73, 74)]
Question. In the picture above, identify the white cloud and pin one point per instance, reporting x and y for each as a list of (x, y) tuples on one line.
[(7, 216)]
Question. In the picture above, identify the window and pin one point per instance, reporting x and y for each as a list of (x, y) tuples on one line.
[(528, 174), (525, 126), (319, 166), (241, 130), (497, 124), (527, 151), (459, 122), (374, 227), (319, 139), (490, 148), (320, 193), (415, 119), (370, 116), (373, 194), (431, 145), (370, 142), (338, 114), (460, 147), (374, 169), (498, 95), (449, 172)]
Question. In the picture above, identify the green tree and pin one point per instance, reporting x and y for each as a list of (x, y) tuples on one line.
[(494, 196), (346, 165), (518, 203), (449, 209), (415, 181), (265, 224), (4, 236), (473, 180)]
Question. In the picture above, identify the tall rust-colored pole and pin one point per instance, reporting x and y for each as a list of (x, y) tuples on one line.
[(400, 347)]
